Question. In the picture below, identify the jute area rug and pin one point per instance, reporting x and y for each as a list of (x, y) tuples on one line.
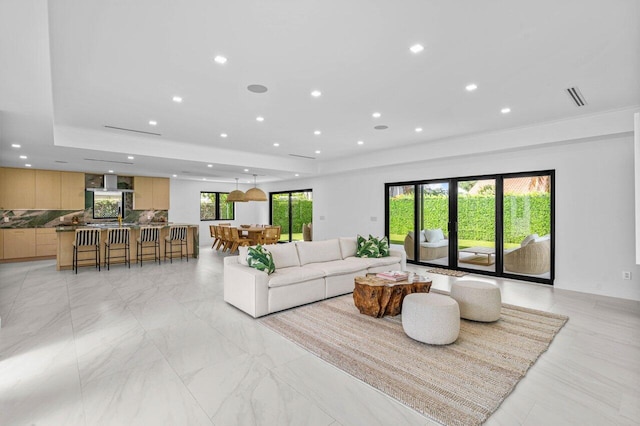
[(458, 384)]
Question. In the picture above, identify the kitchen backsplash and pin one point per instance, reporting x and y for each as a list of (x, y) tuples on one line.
[(53, 218)]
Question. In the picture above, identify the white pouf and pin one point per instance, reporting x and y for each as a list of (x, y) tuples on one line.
[(431, 318), (478, 301)]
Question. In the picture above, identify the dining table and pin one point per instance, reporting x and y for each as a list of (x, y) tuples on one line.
[(253, 233)]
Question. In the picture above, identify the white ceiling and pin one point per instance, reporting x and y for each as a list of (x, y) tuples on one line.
[(69, 68)]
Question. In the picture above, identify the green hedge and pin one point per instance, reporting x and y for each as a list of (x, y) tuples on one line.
[(523, 215), (301, 211)]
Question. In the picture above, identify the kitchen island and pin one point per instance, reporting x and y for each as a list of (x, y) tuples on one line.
[(66, 235)]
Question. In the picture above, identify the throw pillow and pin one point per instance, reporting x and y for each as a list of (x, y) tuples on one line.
[(260, 258), (434, 235), (382, 244), (367, 248)]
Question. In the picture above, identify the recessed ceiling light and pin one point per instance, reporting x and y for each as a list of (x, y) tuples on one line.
[(220, 59), (110, 171), (260, 118), (297, 174), (23, 157), (416, 48), (506, 110), (15, 145), (246, 170), (317, 132), (376, 115), (27, 165), (209, 165), (130, 157), (418, 129), (471, 87), (360, 142), (174, 175), (317, 151), (276, 144), (177, 99), (316, 93), (223, 135), (152, 123), (204, 178)]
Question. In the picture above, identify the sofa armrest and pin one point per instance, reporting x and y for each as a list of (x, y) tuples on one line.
[(400, 253), (246, 288)]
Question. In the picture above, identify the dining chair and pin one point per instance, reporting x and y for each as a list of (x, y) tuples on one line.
[(270, 235), (86, 241), (149, 238), (213, 234), (177, 235), (118, 237), (226, 238), (237, 240)]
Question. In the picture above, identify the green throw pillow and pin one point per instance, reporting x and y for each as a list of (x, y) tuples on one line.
[(367, 248), (260, 258), (383, 245)]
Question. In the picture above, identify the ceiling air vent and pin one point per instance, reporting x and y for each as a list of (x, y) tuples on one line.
[(132, 130), (576, 96), (302, 156)]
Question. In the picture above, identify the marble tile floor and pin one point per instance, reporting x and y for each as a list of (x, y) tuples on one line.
[(157, 345)]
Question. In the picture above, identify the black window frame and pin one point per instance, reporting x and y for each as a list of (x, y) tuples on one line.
[(271, 194), (93, 207), (217, 210), (499, 221)]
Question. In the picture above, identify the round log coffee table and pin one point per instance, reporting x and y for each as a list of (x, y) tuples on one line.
[(378, 297)]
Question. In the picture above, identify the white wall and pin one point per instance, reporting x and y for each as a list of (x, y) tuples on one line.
[(185, 206), (595, 239)]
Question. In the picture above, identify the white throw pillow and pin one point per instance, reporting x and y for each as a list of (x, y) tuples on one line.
[(348, 246), (284, 255), (434, 235), (528, 239), (421, 235), (543, 238)]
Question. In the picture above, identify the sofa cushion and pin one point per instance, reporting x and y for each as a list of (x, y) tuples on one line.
[(284, 255), (261, 259), (420, 235), (318, 251), (528, 239), (442, 243), (367, 248), (348, 246), (243, 251), (338, 267), (433, 235), (294, 275), (376, 261)]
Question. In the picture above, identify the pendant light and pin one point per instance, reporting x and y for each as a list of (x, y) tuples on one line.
[(255, 193), (236, 196)]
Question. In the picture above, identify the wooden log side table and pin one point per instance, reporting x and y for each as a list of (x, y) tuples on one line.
[(378, 297)]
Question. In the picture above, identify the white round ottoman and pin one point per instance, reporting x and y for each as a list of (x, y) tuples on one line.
[(431, 318), (478, 301)]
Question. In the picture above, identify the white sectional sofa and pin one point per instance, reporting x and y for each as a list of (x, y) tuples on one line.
[(305, 272)]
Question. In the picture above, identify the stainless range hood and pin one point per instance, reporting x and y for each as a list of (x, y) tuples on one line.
[(110, 185)]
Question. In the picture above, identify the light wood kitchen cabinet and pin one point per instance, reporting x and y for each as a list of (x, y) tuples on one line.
[(160, 193), (46, 242), (71, 191), (2, 197), (150, 193), (18, 187), (19, 243), (1, 243), (47, 190)]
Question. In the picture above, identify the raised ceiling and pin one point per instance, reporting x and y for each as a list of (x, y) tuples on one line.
[(70, 68)]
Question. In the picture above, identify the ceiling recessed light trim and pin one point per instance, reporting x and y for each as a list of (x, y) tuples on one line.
[(177, 99), (418, 129), (360, 142), (505, 110), (260, 118), (219, 59), (376, 115), (15, 145), (223, 135), (416, 48), (317, 132), (316, 93), (276, 144), (27, 165), (471, 87), (23, 157)]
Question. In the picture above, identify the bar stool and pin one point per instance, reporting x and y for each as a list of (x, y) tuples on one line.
[(117, 237), (177, 235), (149, 237), (86, 241)]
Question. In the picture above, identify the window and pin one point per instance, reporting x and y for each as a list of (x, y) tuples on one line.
[(214, 206), (107, 205), (501, 225), (290, 210)]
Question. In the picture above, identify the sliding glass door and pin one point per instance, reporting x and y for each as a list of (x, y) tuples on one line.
[(291, 210), (498, 225), (476, 207)]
